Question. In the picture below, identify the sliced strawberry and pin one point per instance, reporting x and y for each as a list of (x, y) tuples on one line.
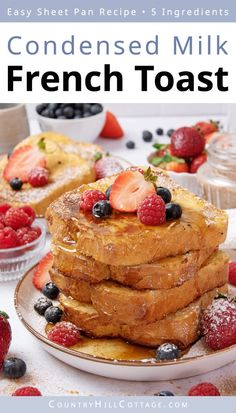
[(112, 128), (129, 189), (207, 127), (22, 161), (177, 167), (197, 162), (41, 274)]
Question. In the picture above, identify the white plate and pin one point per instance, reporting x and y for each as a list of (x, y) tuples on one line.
[(195, 362)]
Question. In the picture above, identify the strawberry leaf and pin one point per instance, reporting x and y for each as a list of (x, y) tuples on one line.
[(97, 156), (149, 176), (156, 161), (3, 314), (159, 146)]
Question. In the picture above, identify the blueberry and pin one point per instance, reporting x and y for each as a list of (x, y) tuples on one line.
[(102, 209), (173, 211), (41, 305), (61, 117), (147, 136), (59, 112), (95, 109), (164, 193), (14, 368), (53, 314), (86, 107), (130, 144), (86, 114), (53, 106), (68, 112), (78, 106), (78, 113), (164, 393), (16, 184), (170, 132), (167, 351), (45, 113), (159, 131), (41, 107), (50, 290), (108, 192)]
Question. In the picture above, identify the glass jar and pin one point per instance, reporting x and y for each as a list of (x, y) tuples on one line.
[(217, 177)]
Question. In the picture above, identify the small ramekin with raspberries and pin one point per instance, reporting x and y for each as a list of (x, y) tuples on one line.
[(22, 239)]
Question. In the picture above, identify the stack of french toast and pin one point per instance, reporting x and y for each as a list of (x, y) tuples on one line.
[(121, 274)]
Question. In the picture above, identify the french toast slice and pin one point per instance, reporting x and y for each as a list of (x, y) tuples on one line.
[(68, 165), (122, 239), (163, 274), (130, 306), (181, 328)]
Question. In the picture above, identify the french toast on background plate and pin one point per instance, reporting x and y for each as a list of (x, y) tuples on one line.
[(44, 166)]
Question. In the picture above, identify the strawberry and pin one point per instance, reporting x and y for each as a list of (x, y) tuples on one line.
[(130, 188), (187, 143), (176, 166), (219, 323), (22, 161), (41, 274), (232, 273), (112, 128), (207, 127), (197, 162), (5, 336), (107, 166)]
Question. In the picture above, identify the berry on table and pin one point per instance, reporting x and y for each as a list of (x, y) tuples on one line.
[(170, 132), (89, 198), (130, 144), (173, 211), (27, 391), (17, 218), (5, 336), (8, 238), (112, 128), (167, 351), (164, 393), (16, 184), (204, 389), (38, 177), (65, 334), (159, 131), (102, 209), (147, 136), (50, 290), (164, 193), (14, 368), (219, 324), (41, 305), (151, 211), (53, 314)]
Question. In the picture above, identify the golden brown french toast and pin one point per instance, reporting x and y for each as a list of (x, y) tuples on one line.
[(122, 239), (66, 162), (163, 274), (181, 328), (130, 306)]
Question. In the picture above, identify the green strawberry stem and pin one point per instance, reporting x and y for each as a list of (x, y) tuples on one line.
[(3, 314)]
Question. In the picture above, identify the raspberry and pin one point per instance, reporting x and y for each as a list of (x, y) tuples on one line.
[(4, 208), (2, 219), (27, 391), (152, 211), (38, 230), (8, 238), (89, 198), (25, 235), (219, 324), (30, 212), (232, 273), (64, 333), (38, 177), (204, 389), (16, 218), (1, 226)]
